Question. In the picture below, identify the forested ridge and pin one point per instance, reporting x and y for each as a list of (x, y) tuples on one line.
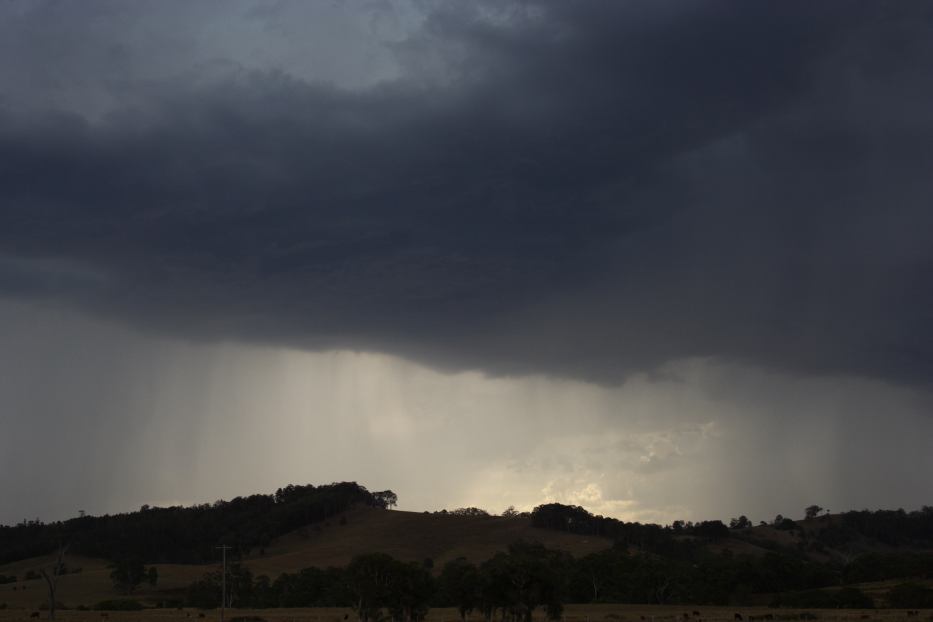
[(189, 534), (816, 561), (684, 563)]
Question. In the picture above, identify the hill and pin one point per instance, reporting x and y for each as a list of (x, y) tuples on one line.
[(407, 536), (411, 536), (277, 541)]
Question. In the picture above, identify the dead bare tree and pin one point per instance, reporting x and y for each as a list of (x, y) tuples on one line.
[(51, 578)]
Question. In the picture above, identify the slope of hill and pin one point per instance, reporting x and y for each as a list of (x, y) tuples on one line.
[(188, 534), (411, 536), (408, 536), (300, 527)]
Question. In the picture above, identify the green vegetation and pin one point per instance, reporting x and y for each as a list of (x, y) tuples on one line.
[(910, 596), (128, 573), (188, 534), (890, 527), (119, 604), (811, 563), (845, 598), (517, 582), (529, 577)]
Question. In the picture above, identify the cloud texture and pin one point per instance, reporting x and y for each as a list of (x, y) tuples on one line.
[(654, 257), (584, 189)]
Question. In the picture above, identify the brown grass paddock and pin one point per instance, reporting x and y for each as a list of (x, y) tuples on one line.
[(573, 613)]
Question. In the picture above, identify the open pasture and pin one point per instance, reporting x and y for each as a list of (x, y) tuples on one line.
[(573, 613)]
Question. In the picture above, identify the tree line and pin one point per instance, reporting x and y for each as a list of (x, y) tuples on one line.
[(528, 577), (188, 534), (513, 584), (891, 527), (648, 563)]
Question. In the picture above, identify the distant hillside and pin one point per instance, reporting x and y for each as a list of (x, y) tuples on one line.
[(853, 559), (407, 536), (411, 536), (250, 525), (840, 537), (189, 534)]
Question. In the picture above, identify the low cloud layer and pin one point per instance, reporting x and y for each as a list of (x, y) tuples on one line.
[(585, 190)]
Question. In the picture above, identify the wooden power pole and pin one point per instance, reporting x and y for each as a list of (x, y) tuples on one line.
[(223, 580)]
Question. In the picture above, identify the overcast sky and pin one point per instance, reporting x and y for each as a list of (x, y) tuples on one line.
[(663, 259)]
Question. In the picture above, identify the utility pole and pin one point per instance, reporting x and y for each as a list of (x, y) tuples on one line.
[(223, 580)]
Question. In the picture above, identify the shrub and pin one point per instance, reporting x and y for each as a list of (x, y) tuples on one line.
[(845, 598), (119, 604), (910, 596)]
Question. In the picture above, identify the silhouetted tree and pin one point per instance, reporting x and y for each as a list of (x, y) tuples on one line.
[(51, 576), (368, 580), (711, 529), (459, 584), (386, 499), (527, 577), (594, 570), (741, 522), (410, 590), (471, 511), (128, 573)]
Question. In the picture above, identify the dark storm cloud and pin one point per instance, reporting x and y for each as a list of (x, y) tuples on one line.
[(571, 188)]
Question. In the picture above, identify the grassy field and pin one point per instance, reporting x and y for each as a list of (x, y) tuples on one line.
[(408, 536), (573, 613)]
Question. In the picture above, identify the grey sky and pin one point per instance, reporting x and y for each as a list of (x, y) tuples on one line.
[(663, 252)]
